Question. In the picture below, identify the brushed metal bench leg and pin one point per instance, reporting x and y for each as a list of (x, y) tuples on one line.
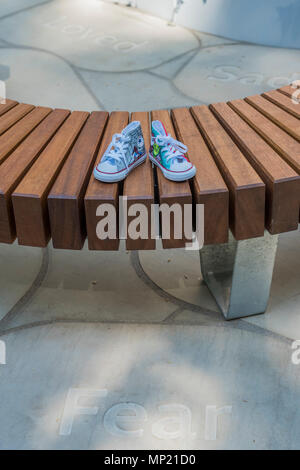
[(239, 274)]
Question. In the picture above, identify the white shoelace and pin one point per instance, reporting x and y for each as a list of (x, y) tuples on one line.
[(118, 148), (172, 147)]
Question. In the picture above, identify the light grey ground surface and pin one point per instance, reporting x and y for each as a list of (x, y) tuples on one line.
[(142, 326)]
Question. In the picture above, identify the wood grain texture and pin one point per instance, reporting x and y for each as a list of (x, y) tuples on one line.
[(283, 102), (30, 197), (99, 193), (139, 189), (16, 134), (246, 189), (247, 155), (65, 200), (282, 182), (282, 142), (208, 186), (14, 115), (290, 91), (281, 118), (171, 192), (4, 107), (18, 163)]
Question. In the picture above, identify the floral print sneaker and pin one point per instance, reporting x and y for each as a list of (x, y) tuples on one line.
[(125, 152), (169, 155)]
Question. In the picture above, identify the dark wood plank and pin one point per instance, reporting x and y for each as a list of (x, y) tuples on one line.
[(281, 118), (104, 193), (208, 185), (283, 102), (282, 182), (171, 192), (18, 163), (30, 197), (4, 107), (282, 142), (65, 200), (247, 190), (14, 115), (16, 134), (139, 189)]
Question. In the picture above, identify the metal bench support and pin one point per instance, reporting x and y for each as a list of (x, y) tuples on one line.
[(239, 274)]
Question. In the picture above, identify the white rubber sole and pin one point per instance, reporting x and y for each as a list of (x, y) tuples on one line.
[(174, 176), (116, 177)]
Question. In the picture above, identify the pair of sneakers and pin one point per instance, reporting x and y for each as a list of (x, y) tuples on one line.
[(127, 151)]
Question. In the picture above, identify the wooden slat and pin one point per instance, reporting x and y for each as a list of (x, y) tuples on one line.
[(30, 197), (4, 107), (14, 136), (209, 187), (14, 115), (171, 192), (283, 143), (290, 91), (103, 193), (18, 163), (65, 200), (139, 189), (247, 191), (281, 118), (282, 182), (283, 102)]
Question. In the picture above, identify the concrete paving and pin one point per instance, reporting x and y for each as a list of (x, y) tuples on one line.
[(136, 338)]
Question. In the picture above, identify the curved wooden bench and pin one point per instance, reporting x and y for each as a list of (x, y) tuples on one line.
[(247, 154)]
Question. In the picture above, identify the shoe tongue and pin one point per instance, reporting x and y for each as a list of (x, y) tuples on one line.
[(130, 128), (158, 128)]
